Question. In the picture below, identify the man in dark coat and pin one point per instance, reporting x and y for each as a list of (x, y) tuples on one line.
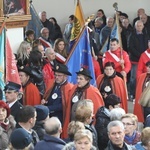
[(103, 118), (51, 139), (11, 93), (116, 135)]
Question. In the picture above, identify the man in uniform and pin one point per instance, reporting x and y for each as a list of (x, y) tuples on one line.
[(11, 93), (56, 96)]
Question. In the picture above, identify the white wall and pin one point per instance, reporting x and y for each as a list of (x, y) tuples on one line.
[(61, 9), (15, 37)]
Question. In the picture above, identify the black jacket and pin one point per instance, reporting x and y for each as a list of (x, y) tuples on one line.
[(102, 120), (134, 46), (16, 107)]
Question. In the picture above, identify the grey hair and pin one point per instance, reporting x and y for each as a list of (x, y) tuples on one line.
[(43, 29), (109, 18), (48, 50), (114, 124), (116, 114)]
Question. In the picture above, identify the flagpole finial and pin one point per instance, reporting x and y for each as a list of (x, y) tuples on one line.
[(115, 5)]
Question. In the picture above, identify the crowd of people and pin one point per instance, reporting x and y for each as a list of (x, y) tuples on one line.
[(48, 112)]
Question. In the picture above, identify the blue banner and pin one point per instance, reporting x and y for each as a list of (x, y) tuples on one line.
[(81, 57), (35, 23)]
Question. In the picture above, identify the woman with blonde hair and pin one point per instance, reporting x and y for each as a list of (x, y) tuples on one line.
[(73, 127), (82, 140), (145, 140), (130, 122), (23, 53)]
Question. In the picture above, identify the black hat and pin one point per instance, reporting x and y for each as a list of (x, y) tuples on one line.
[(25, 69), (62, 69), (112, 100), (42, 112), (85, 72), (20, 138), (12, 86)]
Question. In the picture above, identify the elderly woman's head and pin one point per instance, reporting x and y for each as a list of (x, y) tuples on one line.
[(4, 111), (145, 137), (130, 122), (83, 139), (73, 127)]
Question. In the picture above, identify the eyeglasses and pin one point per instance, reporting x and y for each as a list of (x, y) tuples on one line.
[(127, 124)]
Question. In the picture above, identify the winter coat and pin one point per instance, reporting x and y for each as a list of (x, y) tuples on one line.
[(102, 120), (5, 133), (125, 147), (50, 143)]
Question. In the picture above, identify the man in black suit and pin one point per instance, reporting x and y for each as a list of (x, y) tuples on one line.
[(11, 93)]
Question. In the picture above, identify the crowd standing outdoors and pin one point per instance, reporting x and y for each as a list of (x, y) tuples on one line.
[(54, 114)]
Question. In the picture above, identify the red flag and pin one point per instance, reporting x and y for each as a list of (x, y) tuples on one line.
[(11, 68)]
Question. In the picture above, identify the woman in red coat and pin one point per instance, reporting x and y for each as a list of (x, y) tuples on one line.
[(83, 90), (109, 83)]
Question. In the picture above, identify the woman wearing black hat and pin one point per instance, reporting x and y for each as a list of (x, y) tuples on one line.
[(7, 124), (109, 83), (83, 90)]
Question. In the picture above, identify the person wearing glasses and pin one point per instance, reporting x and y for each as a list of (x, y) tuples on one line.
[(56, 95), (11, 90), (130, 122)]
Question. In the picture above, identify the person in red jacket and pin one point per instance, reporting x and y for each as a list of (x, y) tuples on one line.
[(142, 83), (31, 94), (118, 56), (56, 96), (83, 90), (144, 58), (109, 83)]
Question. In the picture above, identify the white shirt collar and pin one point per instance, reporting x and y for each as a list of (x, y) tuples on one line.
[(12, 103)]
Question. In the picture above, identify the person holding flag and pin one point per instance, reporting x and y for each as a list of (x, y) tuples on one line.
[(119, 57)]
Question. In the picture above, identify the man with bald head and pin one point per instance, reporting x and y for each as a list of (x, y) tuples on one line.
[(51, 139), (140, 11), (146, 21)]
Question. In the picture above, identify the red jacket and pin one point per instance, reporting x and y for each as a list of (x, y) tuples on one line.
[(48, 73), (109, 58), (91, 93), (139, 89), (119, 89), (31, 95), (97, 70), (145, 57)]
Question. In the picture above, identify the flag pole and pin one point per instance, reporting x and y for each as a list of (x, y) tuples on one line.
[(74, 46), (115, 5)]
